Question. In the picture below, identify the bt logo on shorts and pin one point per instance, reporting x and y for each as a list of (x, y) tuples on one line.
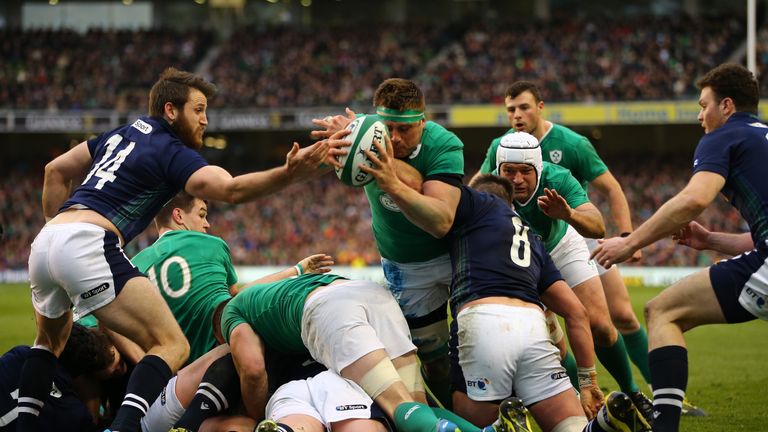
[(351, 407), (558, 375), (757, 297), (480, 384), (92, 292)]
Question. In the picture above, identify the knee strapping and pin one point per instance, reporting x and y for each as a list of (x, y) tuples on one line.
[(571, 424), (411, 376), (379, 378)]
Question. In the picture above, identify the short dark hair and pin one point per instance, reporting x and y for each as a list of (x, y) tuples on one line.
[(173, 86), (518, 87), (495, 185), (730, 80), (399, 94), (182, 200), (88, 350)]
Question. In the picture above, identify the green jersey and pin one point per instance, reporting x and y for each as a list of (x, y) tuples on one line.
[(561, 180), (274, 310), (563, 147), (193, 272), (440, 153)]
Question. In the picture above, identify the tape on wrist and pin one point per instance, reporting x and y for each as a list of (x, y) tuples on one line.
[(299, 270), (587, 377)]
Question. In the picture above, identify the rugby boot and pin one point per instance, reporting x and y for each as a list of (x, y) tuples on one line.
[(620, 415), (444, 425), (513, 416), (267, 426), (692, 410), (644, 405)]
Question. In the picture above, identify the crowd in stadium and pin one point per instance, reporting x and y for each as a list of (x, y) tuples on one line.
[(579, 60), (283, 228)]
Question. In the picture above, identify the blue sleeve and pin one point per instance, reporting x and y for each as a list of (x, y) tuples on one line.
[(549, 272), (93, 143), (713, 154), (181, 163)]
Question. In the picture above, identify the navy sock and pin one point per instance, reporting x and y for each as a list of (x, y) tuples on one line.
[(34, 387), (669, 375), (148, 379), (218, 390)]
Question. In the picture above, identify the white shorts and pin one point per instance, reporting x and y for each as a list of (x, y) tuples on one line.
[(419, 288), (327, 397), (591, 245), (505, 350), (571, 257), (345, 321), (76, 264), (165, 411)]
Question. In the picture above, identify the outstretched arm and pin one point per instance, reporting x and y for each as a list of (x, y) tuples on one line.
[(695, 236), (215, 183), (561, 300), (669, 219)]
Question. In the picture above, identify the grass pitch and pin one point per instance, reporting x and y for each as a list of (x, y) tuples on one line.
[(728, 374)]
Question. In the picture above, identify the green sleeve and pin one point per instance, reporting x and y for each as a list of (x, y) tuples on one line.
[(231, 318), (588, 164), (228, 267), (570, 189), (489, 164)]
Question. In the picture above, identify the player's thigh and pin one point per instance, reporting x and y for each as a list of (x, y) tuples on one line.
[(549, 412), (140, 313), (358, 425), (228, 423), (619, 303), (591, 295), (688, 303)]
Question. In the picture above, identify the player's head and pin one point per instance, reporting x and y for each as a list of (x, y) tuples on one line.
[(494, 185), (400, 105), (726, 89), (518, 158), (181, 98), (90, 352), (183, 212), (524, 106)]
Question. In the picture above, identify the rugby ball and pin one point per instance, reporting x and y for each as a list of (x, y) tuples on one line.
[(364, 130)]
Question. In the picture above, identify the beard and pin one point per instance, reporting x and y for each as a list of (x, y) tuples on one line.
[(186, 131)]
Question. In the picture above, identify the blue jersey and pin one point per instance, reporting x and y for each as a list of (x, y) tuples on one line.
[(494, 253), (738, 151), (136, 169), (63, 411)]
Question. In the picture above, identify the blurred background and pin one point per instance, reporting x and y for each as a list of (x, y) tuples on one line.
[(620, 72)]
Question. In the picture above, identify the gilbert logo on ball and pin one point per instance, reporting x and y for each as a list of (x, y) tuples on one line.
[(365, 129)]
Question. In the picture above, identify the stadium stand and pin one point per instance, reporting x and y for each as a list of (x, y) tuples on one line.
[(648, 58)]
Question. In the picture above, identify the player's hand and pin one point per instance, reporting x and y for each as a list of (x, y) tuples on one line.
[(301, 163), (318, 264), (337, 147), (332, 124), (554, 205), (592, 400), (611, 251), (693, 235), (383, 166), (591, 396)]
